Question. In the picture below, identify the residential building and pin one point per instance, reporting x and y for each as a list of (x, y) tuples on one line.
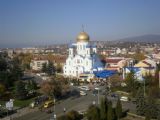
[(37, 64)]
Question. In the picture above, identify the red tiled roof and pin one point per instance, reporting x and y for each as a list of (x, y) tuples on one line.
[(146, 63), (113, 60)]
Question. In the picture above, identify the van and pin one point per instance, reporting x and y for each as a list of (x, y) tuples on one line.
[(48, 104)]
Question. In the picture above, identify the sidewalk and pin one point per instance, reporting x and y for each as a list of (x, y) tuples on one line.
[(19, 113)]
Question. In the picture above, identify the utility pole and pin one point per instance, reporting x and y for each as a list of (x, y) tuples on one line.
[(144, 88)]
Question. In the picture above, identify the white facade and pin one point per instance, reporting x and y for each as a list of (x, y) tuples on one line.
[(82, 57), (37, 64)]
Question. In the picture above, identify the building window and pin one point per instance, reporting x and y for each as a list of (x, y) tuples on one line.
[(78, 61), (80, 47), (86, 63)]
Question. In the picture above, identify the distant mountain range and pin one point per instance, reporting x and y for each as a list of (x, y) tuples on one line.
[(150, 38)]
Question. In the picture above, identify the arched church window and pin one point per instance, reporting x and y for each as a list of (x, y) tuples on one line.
[(86, 63), (83, 47), (80, 47), (78, 61)]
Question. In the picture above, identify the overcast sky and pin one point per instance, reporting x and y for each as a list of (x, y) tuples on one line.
[(26, 23)]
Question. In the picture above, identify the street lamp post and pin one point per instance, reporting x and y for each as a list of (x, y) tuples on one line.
[(98, 96), (53, 117)]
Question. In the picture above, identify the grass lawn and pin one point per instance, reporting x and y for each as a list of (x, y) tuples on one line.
[(23, 103), (19, 103)]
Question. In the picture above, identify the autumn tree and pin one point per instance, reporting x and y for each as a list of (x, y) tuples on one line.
[(47, 88), (55, 87)]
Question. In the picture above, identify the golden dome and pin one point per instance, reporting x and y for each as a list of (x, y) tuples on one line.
[(83, 37)]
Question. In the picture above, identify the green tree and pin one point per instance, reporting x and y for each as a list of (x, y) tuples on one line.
[(2, 89), (118, 109), (158, 112), (103, 108), (110, 111), (151, 107), (131, 83), (16, 69), (3, 64), (93, 113), (31, 85), (10, 71), (50, 68), (20, 90), (140, 102), (158, 66), (114, 114), (44, 67)]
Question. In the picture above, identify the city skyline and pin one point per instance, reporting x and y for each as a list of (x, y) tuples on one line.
[(39, 22)]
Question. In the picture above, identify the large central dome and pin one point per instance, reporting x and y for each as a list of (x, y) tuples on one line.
[(83, 37)]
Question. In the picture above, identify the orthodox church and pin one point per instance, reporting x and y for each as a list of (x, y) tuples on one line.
[(82, 58)]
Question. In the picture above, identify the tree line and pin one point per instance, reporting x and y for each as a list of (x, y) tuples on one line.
[(104, 111)]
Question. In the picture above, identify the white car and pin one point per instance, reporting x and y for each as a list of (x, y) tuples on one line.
[(82, 93), (96, 88), (123, 98), (84, 88)]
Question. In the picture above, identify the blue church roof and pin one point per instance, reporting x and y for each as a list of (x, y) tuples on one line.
[(104, 73), (137, 69), (71, 46), (134, 69)]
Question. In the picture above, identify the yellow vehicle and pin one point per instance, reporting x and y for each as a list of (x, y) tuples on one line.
[(48, 104)]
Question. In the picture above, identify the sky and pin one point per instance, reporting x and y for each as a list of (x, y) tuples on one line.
[(25, 23)]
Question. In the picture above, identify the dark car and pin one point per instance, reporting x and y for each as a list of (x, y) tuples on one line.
[(114, 95)]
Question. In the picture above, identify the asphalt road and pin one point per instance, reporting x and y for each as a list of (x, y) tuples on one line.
[(73, 103)]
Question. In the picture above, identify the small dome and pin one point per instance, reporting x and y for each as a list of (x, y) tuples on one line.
[(83, 37)]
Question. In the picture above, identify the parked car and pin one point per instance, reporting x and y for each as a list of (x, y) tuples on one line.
[(48, 103), (84, 88), (82, 93), (114, 95), (124, 98)]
